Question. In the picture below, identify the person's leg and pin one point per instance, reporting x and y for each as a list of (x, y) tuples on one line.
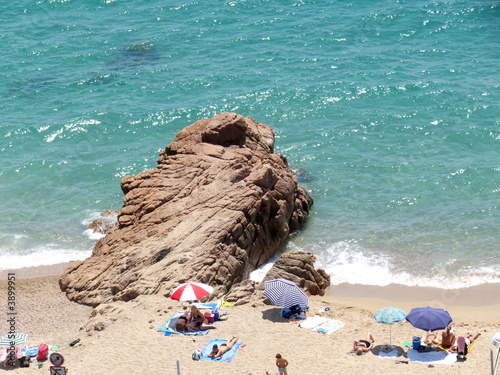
[(369, 337), (473, 336), (231, 342), (204, 326)]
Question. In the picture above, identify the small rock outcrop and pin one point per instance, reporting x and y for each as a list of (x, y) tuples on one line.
[(299, 268), (218, 205)]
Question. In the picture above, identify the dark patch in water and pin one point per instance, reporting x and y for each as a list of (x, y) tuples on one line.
[(302, 175), (31, 86), (134, 55)]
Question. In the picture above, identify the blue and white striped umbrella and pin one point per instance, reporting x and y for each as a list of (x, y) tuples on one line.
[(285, 293), (13, 339)]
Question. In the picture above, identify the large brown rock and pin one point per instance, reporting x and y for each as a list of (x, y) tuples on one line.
[(218, 205)]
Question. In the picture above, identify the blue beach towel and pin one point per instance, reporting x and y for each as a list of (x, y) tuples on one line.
[(226, 357), (169, 327)]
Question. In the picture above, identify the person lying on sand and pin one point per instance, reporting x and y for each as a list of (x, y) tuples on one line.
[(431, 339), (363, 346), (469, 339), (218, 351)]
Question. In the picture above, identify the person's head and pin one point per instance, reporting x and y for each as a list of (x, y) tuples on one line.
[(449, 328), (180, 327), (215, 347), (195, 311), (359, 351), (278, 356)]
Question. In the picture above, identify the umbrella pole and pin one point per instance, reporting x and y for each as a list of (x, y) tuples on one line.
[(390, 336), (495, 366), (178, 367)]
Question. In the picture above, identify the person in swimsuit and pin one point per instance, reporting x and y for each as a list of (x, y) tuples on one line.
[(448, 337), (363, 346), (198, 317), (282, 364), (218, 351), (431, 339), (469, 339)]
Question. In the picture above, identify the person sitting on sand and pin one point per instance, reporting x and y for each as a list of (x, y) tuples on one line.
[(431, 338), (218, 351), (448, 337), (363, 346), (201, 323), (469, 339)]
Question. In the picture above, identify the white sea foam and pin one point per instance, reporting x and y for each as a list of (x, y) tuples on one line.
[(259, 274), (42, 257), (90, 233), (347, 262)]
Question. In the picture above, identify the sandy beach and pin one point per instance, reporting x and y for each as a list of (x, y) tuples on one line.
[(130, 342)]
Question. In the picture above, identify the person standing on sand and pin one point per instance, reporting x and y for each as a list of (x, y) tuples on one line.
[(282, 364)]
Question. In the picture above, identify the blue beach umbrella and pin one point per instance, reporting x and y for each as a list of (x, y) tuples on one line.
[(285, 293), (390, 315), (429, 318)]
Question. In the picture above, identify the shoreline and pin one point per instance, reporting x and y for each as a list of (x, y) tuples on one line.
[(484, 295)]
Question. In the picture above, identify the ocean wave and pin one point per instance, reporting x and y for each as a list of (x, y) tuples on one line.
[(348, 262), (42, 257)]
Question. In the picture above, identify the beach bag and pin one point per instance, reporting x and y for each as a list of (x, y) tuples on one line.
[(209, 317), (24, 361), (196, 355), (286, 313), (43, 352), (295, 310)]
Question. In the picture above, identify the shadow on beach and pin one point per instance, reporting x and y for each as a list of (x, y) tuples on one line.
[(273, 315), (380, 350)]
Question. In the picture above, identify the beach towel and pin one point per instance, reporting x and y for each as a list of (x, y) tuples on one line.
[(226, 357), (211, 306), (169, 327), (391, 352), (321, 324), (5, 352), (435, 357)]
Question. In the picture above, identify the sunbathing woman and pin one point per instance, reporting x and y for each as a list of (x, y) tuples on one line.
[(182, 325), (363, 346), (431, 339), (447, 337), (201, 323), (469, 339), (218, 351)]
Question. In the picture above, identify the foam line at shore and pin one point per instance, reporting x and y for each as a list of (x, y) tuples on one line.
[(475, 296)]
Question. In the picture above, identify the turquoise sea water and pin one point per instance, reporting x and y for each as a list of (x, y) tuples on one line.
[(388, 111)]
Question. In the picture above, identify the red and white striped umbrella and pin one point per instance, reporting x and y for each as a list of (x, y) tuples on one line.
[(191, 291)]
